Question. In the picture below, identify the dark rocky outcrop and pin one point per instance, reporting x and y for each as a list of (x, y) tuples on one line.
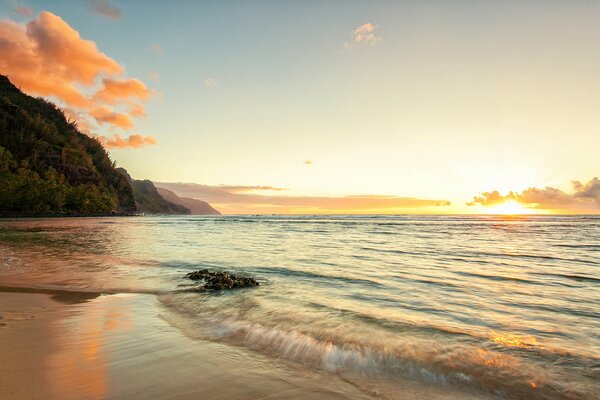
[(221, 280)]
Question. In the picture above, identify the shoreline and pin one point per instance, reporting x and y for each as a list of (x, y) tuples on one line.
[(68, 215), (384, 304), (79, 345), (61, 344)]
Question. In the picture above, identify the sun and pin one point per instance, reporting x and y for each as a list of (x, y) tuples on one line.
[(510, 207)]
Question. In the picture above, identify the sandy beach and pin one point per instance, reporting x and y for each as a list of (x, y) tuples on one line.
[(77, 345), (69, 345)]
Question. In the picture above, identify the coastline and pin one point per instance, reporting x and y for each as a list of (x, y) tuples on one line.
[(57, 344), (67, 215), (94, 311), (78, 345)]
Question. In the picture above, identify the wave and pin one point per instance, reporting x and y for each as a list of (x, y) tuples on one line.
[(580, 246), (317, 276), (498, 278), (575, 277), (475, 367), (539, 257)]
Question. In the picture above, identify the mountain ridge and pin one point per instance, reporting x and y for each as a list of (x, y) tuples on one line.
[(148, 200), (196, 206)]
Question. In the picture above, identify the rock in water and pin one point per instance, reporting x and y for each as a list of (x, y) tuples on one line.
[(221, 280)]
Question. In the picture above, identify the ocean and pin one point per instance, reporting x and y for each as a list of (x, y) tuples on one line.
[(501, 307)]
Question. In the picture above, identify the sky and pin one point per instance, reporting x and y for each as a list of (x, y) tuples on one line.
[(335, 106)]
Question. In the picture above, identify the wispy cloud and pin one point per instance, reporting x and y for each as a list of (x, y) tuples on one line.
[(132, 141), (24, 11), (210, 82), (364, 36), (156, 48), (105, 9), (47, 57), (153, 75), (244, 199), (585, 197)]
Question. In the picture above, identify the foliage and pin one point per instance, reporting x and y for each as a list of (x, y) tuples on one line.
[(48, 167)]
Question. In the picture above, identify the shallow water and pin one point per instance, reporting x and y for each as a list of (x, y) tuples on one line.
[(507, 307)]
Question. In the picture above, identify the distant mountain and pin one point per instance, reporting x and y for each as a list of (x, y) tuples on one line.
[(148, 200), (48, 167), (197, 207)]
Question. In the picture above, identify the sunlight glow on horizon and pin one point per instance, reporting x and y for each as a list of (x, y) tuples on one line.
[(478, 99), (511, 207)]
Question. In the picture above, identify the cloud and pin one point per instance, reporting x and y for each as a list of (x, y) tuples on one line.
[(153, 75), (584, 197), (308, 162), (104, 115), (24, 11), (490, 199), (114, 91), (241, 189), (47, 57), (587, 191), (137, 111), (156, 48), (209, 82), (132, 141), (364, 36), (65, 53), (105, 9), (244, 199)]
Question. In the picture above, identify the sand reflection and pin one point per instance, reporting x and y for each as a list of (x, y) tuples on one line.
[(79, 367)]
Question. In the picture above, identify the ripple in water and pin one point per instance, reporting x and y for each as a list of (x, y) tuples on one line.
[(502, 306)]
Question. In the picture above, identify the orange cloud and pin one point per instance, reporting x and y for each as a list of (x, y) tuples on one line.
[(364, 36), (114, 91), (105, 9), (48, 57), (237, 199), (24, 11), (29, 68), (64, 53), (584, 198), (131, 141), (489, 199), (104, 115), (156, 47), (137, 111)]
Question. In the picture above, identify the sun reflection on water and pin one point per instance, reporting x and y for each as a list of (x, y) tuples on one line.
[(513, 340)]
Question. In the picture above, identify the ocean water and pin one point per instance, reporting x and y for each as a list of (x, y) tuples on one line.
[(500, 307)]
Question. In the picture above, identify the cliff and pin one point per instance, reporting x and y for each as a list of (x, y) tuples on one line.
[(197, 207), (48, 167)]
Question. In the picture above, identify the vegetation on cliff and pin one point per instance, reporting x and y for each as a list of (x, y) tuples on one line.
[(48, 167), (148, 200), (196, 207)]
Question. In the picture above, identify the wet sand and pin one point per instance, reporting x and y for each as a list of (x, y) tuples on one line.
[(78, 345), (66, 345)]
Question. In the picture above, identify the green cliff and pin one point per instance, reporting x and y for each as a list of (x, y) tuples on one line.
[(48, 167), (148, 200)]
